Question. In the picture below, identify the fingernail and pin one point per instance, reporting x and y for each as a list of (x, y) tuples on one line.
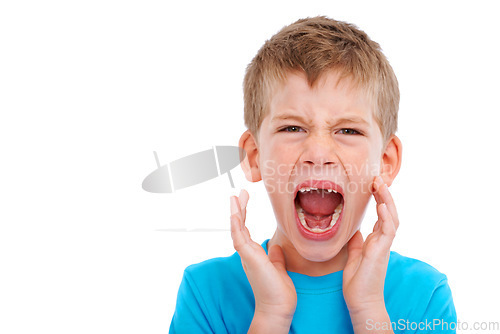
[(374, 185), (383, 206)]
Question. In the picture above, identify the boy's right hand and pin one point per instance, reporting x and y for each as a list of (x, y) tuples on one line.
[(273, 289)]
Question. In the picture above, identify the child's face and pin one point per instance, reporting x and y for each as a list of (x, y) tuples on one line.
[(308, 136)]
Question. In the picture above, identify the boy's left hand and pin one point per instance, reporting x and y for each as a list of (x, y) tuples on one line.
[(365, 270)]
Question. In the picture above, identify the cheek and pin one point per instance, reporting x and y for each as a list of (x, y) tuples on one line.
[(361, 170), (277, 166), (276, 176), (277, 162)]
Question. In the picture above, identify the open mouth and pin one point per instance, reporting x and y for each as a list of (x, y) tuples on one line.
[(319, 207)]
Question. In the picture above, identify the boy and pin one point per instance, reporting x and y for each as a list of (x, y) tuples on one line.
[(321, 103)]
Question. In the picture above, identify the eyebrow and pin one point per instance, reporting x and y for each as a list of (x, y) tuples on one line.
[(349, 119), (353, 119), (283, 117)]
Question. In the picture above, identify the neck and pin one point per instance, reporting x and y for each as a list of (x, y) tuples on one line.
[(296, 263)]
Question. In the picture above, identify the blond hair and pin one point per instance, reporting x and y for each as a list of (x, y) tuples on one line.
[(315, 46)]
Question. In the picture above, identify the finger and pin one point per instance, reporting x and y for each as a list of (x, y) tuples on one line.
[(383, 195), (236, 209), (355, 245), (378, 244), (235, 205), (376, 188), (388, 229), (242, 241), (253, 257), (354, 252), (243, 199), (386, 197), (277, 258), (239, 234)]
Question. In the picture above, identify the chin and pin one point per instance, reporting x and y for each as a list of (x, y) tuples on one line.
[(319, 255)]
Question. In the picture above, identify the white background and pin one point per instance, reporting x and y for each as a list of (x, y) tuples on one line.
[(89, 89)]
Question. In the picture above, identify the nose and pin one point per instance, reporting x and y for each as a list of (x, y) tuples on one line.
[(320, 150)]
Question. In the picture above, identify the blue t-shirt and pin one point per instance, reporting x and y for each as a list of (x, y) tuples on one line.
[(216, 297)]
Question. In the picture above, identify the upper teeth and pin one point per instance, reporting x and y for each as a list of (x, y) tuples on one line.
[(310, 188)]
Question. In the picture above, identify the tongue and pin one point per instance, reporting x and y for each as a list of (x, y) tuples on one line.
[(319, 202), (314, 221)]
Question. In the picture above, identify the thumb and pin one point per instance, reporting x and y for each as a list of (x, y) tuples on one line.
[(355, 245), (277, 258), (354, 251)]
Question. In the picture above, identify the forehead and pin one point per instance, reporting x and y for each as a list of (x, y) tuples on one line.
[(330, 95)]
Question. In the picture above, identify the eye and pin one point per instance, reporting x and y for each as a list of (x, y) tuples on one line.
[(349, 132), (292, 128)]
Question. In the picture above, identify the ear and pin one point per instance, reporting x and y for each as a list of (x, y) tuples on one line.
[(391, 160), (250, 163)]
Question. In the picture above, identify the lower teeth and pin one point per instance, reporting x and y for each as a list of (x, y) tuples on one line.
[(335, 217)]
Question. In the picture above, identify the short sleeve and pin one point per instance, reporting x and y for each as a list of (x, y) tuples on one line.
[(440, 315), (190, 314)]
